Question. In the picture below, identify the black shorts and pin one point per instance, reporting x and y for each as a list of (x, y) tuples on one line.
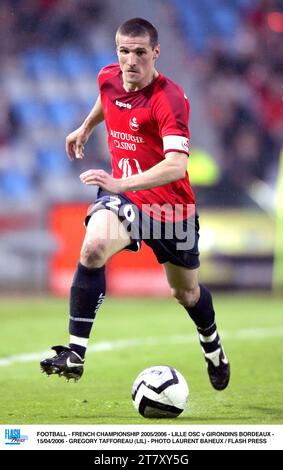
[(173, 242)]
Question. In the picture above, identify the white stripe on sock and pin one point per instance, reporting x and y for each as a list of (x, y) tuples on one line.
[(87, 320), (79, 341), (208, 328), (208, 339)]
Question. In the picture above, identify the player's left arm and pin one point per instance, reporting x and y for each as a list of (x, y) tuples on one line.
[(172, 168)]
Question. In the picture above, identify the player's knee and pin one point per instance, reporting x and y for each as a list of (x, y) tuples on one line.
[(94, 254), (187, 297)]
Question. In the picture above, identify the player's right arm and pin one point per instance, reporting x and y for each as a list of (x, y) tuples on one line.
[(76, 140)]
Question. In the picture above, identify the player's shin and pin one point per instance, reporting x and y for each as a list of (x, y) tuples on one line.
[(203, 316), (87, 294)]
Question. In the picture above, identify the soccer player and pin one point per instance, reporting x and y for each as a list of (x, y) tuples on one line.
[(146, 116)]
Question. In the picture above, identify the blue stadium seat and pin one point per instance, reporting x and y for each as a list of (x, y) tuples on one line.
[(39, 63), (15, 184), (204, 18), (30, 113), (74, 63), (225, 21), (52, 161), (101, 59), (195, 29), (63, 113)]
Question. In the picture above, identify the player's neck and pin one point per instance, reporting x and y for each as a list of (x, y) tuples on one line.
[(139, 86)]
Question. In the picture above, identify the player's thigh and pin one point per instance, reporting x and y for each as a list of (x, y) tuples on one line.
[(180, 278), (105, 230)]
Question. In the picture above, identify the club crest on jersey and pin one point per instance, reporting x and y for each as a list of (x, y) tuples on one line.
[(185, 144), (133, 124)]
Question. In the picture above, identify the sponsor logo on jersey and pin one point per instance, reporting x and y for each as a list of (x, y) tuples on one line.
[(123, 105), (127, 137), (129, 166), (126, 141), (133, 124)]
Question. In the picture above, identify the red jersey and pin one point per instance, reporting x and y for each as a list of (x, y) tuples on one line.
[(142, 127)]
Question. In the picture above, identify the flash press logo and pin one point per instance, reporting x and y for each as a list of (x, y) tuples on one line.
[(13, 437)]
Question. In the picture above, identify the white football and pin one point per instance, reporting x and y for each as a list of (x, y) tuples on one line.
[(160, 392)]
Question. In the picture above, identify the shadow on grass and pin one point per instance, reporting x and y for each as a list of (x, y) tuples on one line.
[(179, 420), (264, 411)]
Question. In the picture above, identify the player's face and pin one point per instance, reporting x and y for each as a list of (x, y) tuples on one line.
[(137, 61)]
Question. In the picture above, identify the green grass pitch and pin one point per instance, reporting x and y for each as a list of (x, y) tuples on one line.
[(131, 335)]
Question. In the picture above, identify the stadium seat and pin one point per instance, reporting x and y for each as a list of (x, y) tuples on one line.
[(52, 161), (209, 17), (39, 63), (15, 184), (63, 113), (225, 21), (102, 59), (74, 63), (30, 112)]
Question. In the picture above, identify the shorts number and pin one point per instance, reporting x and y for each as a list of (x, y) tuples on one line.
[(114, 203), (129, 213)]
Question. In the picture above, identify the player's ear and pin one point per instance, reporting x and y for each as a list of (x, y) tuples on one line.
[(156, 52)]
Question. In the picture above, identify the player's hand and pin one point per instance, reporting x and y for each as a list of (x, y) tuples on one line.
[(75, 142), (102, 179)]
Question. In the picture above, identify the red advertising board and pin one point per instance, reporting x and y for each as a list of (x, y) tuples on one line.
[(128, 274)]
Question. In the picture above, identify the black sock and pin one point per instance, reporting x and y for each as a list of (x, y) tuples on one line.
[(203, 316), (87, 294)]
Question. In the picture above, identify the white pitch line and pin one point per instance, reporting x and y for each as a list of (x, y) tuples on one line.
[(104, 346)]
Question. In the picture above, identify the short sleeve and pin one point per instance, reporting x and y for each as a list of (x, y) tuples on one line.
[(106, 73), (171, 112)]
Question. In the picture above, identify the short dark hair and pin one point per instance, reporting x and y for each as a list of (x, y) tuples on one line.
[(139, 27)]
